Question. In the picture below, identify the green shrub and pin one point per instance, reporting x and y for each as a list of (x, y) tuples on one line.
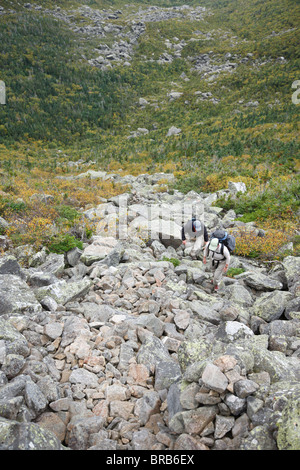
[(232, 272), (7, 205), (68, 212), (63, 243), (279, 201), (174, 261)]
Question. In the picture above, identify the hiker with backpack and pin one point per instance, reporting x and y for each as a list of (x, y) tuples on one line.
[(219, 250), (194, 230)]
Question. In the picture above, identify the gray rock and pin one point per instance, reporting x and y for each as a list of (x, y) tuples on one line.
[(276, 364), (34, 398), (188, 396), (63, 292), (143, 440), (239, 295), (14, 388), (54, 264), (232, 331), (26, 436), (73, 256), (16, 296), (152, 351), (224, 424), (12, 365), (10, 265), (74, 326), (40, 279), (260, 282), (146, 406), (214, 379), (98, 250), (10, 408), (3, 223), (259, 438), (82, 429), (151, 322), (193, 421), (243, 388), (235, 404), (270, 306), (166, 373), (291, 266), (173, 131), (205, 312), (83, 376), (235, 188), (53, 330)]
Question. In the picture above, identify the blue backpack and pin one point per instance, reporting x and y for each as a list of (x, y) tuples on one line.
[(225, 239)]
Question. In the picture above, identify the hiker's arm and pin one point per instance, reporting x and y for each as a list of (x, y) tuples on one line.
[(205, 254), (227, 256)]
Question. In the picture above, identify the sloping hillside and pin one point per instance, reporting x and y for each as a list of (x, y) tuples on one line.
[(200, 90)]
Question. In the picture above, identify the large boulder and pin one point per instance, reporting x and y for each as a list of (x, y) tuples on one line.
[(12, 341), (10, 265), (271, 305), (98, 250), (287, 396), (291, 266), (16, 296), (63, 291), (26, 436), (260, 282)]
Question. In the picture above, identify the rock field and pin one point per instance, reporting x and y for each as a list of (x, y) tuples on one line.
[(123, 346)]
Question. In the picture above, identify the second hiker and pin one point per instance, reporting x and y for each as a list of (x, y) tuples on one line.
[(220, 259), (196, 231)]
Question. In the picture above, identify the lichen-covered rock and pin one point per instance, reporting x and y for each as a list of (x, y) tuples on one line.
[(63, 291), (270, 306), (259, 438), (284, 398), (26, 436), (292, 270), (16, 296), (98, 250), (288, 437), (260, 282)]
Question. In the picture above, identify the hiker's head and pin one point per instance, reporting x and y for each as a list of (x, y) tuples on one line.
[(197, 226), (214, 244)]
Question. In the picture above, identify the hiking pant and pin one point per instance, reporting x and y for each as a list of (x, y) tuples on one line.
[(199, 241), (218, 272)]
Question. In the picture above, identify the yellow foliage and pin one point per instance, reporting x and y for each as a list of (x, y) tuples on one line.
[(251, 245), (297, 164), (215, 182), (229, 159), (34, 232)]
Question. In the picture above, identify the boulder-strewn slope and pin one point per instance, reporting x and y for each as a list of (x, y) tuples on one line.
[(117, 346)]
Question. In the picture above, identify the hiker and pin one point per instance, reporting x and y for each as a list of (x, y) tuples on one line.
[(194, 230), (220, 259)]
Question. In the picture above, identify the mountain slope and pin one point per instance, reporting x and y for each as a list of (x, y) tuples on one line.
[(105, 82)]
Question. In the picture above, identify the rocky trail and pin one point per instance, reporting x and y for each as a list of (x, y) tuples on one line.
[(122, 345)]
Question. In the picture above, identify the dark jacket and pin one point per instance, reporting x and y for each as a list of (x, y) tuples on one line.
[(189, 229)]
